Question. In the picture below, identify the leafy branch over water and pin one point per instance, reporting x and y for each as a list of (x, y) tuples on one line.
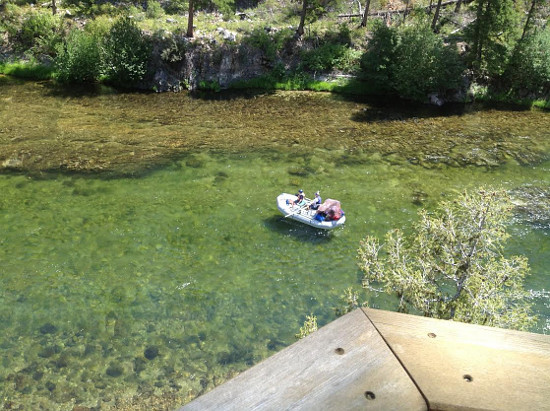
[(452, 267)]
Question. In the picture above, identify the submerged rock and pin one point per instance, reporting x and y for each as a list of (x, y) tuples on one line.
[(114, 370), (49, 351), (151, 353), (48, 328)]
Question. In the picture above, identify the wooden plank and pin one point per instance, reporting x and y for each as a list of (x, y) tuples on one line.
[(464, 366), (331, 369)]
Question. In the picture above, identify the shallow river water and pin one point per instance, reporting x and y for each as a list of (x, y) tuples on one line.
[(143, 260)]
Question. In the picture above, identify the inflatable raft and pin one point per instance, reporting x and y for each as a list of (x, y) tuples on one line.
[(305, 215)]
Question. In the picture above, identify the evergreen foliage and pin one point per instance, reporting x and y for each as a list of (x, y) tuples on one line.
[(529, 68), (493, 35), (154, 10), (452, 266), (379, 59), (411, 61), (504, 47), (423, 64)]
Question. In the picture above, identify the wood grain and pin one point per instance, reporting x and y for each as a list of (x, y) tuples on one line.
[(469, 367), (343, 366)]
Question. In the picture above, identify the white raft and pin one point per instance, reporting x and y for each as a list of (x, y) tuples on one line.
[(304, 214)]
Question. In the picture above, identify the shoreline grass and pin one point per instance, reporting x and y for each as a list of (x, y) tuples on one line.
[(29, 70), (32, 70)]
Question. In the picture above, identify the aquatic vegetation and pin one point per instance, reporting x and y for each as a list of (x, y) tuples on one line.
[(532, 204), (142, 251)]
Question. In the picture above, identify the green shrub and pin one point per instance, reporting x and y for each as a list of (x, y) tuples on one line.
[(412, 62), (11, 20), (136, 13), (38, 24), (32, 30), (209, 86), (349, 61), (423, 64), (269, 44), (529, 68), (154, 10), (176, 7), (378, 61), (322, 58), (126, 53), (225, 7), (99, 26), (78, 58)]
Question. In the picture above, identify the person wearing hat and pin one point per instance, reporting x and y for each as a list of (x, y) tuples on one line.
[(301, 198), (316, 201)]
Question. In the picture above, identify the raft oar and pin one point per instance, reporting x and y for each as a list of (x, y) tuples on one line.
[(300, 208)]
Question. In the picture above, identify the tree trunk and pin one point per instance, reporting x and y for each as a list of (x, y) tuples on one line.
[(477, 32), (458, 4), (54, 8), (365, 14), (529, 18), (300, 30), (436, 14), (406, 10), (190, 19)]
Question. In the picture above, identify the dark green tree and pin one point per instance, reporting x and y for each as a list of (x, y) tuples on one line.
[(493, 35), (378, 61), (424, 64), (411, 61), (529, 70)]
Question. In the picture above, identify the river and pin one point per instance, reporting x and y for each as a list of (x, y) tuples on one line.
[(143, 260)]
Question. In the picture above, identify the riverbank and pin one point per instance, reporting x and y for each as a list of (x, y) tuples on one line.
[(260, 48), (340, 85)]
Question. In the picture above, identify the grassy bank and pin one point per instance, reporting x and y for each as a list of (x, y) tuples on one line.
[(32, 70), (27, 70)]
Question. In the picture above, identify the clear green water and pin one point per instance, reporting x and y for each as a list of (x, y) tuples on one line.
[(167, 283)]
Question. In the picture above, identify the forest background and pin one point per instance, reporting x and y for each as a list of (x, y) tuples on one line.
[(418, 50)]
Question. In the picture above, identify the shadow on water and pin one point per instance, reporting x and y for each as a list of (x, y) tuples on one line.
[(299, 231), (229, 95), (379, 112), (95, 90), (390, 107), (53, 89)]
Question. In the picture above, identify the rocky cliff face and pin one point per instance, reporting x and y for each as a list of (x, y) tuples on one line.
[(180, 63)]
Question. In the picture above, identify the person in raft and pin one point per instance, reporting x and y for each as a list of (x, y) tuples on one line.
[(316, 201), (301, 198)]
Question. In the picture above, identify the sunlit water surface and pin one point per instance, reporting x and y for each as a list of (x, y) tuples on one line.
[(170, 282)]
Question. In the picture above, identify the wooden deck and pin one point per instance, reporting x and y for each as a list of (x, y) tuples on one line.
[(380, 360)]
